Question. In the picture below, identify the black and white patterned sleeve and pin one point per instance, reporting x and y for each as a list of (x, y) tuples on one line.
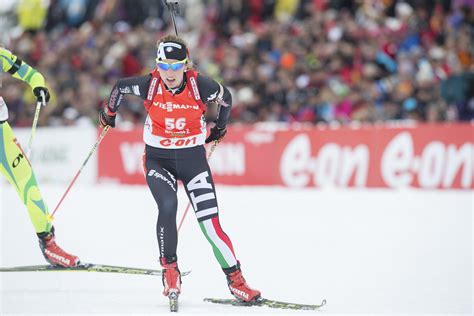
[(212, 91), (137, 86)]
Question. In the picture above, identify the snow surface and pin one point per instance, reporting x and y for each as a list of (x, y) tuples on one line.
[(365, 251)]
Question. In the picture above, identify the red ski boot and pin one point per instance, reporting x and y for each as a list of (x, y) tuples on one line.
[(239, 287), (171, 277), (53, 253)]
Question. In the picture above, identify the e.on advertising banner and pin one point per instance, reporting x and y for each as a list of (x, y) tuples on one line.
[(421, 156)]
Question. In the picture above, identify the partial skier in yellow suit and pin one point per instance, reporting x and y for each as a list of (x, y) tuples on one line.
[(17, 169)]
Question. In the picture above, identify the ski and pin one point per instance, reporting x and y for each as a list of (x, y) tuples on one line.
[(173, 297), (265, 302), (86, 267)]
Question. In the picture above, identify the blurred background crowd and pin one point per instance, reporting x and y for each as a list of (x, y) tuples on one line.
[(311, 61)]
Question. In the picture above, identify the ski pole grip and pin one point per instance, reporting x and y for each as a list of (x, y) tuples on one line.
[(43, 98), (173, 5)]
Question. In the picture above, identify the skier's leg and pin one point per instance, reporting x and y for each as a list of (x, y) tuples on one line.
[(17, 169), (199, 185), (163, 186)]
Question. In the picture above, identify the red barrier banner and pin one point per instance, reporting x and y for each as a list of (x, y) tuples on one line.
[(420, 156), (120, 157)]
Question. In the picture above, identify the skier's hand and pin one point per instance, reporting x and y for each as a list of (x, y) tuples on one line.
[(37, 92), (217, 134), (106, 118)]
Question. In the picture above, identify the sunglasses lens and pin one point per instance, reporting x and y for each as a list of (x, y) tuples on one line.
[(174, 66), (164, 66), (177, 66)]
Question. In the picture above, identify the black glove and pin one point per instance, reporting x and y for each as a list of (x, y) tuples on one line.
[(37, 93), (106, 118), (217, 134)]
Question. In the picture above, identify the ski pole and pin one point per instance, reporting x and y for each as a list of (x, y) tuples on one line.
[(101, 137), (35, 122), (213, 147)]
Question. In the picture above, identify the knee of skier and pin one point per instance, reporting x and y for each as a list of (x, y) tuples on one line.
[(168, 208)]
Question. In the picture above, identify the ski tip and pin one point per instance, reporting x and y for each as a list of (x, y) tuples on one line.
[(323, 302)]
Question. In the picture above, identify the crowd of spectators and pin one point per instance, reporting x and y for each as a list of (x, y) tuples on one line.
[(310, 61)]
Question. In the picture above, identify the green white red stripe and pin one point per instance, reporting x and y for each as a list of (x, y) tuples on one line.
[(221, 244)]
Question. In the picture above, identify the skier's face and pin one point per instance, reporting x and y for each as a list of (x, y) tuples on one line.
[(172, 72)]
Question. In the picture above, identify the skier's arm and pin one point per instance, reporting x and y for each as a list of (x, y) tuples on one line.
[(21, 70), (133, 85), (137, 86), (212, 91)]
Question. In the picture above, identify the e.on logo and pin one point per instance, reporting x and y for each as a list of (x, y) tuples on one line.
[(334, 165), (437, 166)]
